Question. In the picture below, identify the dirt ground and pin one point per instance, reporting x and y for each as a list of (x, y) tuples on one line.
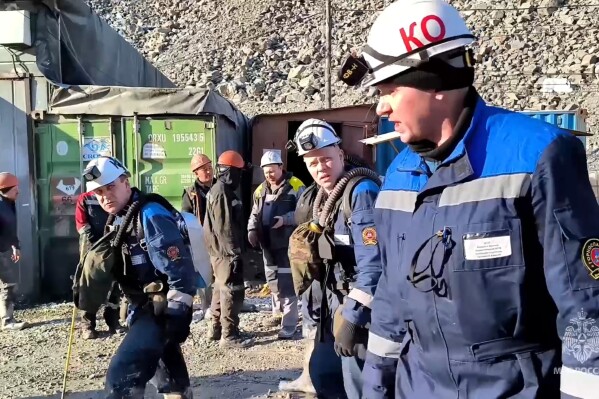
[(32, 361)]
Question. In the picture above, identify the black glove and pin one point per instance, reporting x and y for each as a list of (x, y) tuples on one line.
[(177, 322), (348, 335)]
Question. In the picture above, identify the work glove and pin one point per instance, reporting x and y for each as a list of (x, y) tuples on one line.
[(253, 238), (178, 318), (348, 337)]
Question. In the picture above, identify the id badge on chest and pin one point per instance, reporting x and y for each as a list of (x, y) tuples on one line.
[(488, 245)]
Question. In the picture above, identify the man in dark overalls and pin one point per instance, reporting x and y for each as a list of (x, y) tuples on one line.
[(225, 242), (10, 252)]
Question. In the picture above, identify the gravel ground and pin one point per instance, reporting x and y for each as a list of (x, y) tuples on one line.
[(32, 360)]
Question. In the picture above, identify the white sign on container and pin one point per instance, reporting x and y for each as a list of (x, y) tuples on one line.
[(95, 147)]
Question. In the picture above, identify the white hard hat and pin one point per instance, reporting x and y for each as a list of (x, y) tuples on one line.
[(314, 134), (270, 158), (408, 33), (102, 171)]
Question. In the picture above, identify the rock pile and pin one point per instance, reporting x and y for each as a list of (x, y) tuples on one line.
[(269, 55)]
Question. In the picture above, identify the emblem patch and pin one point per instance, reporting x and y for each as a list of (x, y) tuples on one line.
[(173, 253), (581, 338), (590, 257), (369, 236)]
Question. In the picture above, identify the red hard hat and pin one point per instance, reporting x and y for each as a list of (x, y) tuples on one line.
[(8, 180), (198, 161), (231, 158)]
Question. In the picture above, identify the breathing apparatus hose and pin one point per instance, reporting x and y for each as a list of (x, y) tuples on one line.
[(348, 158), (319, 222), (131, 213)]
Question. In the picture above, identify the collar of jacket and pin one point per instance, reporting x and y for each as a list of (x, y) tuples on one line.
[(410, 161), (135, 194), (6, 199), (204, 188), (440, 153), (284, 180), (461, 148)]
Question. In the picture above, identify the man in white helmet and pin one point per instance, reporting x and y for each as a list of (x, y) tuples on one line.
[(487, 225), (156, 275), (336, 304), (270, 226)]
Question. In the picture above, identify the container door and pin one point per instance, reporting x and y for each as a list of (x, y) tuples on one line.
[(63, 149), (158, 153), (351, 134), (16, 156)]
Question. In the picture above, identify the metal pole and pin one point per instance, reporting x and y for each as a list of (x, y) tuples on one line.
[(327, 71)]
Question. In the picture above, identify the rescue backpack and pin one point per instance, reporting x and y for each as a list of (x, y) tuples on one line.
[(94, 275), (310, 241)]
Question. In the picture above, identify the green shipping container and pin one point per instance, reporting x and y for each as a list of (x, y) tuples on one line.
[(156, 151), (63, 149)]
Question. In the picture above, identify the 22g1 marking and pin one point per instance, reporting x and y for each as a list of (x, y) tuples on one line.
[(195, 151)]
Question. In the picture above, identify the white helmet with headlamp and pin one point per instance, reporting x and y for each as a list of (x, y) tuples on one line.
[(102, 171), (407, 34), (313, 134)]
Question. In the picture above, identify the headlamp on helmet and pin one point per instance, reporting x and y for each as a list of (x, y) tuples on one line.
[(313, 134), (91, 172), (102, 171)]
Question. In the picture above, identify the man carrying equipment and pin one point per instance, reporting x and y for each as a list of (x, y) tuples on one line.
[(339, 298), (157, 276)]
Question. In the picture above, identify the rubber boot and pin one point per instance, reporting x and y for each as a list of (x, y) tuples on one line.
[(235, 341), (215, 331), (303, 383), (7, 311), (111, 316), (287, 332), (88, 326)]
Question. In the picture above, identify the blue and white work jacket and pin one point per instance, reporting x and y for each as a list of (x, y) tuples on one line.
[(490, 281)]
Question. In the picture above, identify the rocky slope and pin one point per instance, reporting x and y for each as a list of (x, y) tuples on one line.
[(268, 55)]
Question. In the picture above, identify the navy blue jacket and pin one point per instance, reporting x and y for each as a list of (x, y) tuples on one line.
[(490, 269), (356, 246), (164, 256)]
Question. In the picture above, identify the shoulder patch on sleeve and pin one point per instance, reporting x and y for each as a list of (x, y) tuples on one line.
[(369, 236), (173, 253), (590, 257)]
